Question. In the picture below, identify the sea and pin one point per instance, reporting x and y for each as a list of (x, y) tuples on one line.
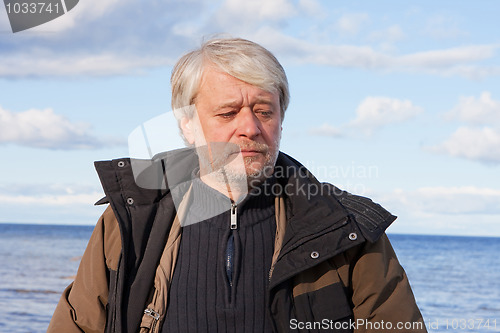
[(455, 280)]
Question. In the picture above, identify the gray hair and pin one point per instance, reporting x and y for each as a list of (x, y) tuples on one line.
[(240, 58)]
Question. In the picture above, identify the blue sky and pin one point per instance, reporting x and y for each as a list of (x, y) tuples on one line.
[(396, 101)]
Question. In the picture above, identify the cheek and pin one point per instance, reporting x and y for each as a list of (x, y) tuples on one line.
[(273, 135), (218, 133)]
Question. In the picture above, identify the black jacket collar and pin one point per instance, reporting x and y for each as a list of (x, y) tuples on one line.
[(311, 205)]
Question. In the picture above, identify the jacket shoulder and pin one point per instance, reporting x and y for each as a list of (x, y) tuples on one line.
[(372, 218), (111, 238)]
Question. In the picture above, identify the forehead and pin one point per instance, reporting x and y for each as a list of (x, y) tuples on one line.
[(215, 84)]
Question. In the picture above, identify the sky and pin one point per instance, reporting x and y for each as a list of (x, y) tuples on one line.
[(392, 100)]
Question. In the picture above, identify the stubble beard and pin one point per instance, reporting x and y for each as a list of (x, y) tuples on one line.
[(240, 172)]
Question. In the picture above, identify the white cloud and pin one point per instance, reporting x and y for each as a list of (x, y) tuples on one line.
[(102, 38), (44, 189), (49, 203), (449, 200), (62, 65), (459, 210), (376, 112), (447, 58), (244, 16), (302, 51), (387, 38), (52, 200), (350, 24), (461, 60), (111, 62), (45, 129), (481, 144), (469, 71), (461, 190), (99, 38), (326, 130), (87, 10), (311, 7), (477, 111), (372, 114), (392, 34), (479, 139), (49, 194)]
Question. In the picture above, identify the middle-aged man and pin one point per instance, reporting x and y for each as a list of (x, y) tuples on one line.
[(229, 234)]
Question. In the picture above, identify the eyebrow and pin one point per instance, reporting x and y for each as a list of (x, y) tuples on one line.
[(232, 104), (262, 100)]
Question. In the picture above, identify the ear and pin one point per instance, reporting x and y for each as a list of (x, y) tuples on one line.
[(187, 127)]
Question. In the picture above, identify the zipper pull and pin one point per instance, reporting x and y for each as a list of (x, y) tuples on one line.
[(234, 216), (152, 313), (155, 315)]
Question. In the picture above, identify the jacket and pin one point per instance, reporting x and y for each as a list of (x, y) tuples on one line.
[(335, 269)]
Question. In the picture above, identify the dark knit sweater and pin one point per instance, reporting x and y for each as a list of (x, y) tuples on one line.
[(221, 276)]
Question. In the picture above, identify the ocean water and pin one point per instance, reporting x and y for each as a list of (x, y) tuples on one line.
[(36, 263), (456, 280)]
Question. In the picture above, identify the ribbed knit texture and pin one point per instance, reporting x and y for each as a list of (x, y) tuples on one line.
[(201, 298)]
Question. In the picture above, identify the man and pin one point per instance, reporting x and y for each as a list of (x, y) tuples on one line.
[(237, 236)]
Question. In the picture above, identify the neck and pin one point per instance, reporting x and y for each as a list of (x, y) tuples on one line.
[(234, 185), (234, 190)]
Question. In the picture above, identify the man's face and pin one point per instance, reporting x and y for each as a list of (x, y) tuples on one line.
[(245, 116)]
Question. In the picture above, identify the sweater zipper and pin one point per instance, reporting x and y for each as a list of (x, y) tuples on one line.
[(230, 248), (234, 216)]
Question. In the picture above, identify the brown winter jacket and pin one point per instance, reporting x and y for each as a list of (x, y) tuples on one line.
[(334, 268)]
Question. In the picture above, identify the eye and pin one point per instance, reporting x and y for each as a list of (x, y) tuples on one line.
[(264, 113), (227, 115)]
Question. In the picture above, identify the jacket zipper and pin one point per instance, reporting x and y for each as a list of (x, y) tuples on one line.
[(271, 271), (156, 317)]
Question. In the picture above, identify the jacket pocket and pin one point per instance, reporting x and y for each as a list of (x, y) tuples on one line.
[(320, 301)]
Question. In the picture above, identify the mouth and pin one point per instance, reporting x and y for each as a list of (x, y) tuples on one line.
[(250, 152), (250, 149)]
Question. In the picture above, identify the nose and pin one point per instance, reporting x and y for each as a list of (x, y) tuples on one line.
[(248, 124)]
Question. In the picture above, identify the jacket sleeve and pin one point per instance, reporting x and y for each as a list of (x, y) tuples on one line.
[(381, 293), (82, 307)]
